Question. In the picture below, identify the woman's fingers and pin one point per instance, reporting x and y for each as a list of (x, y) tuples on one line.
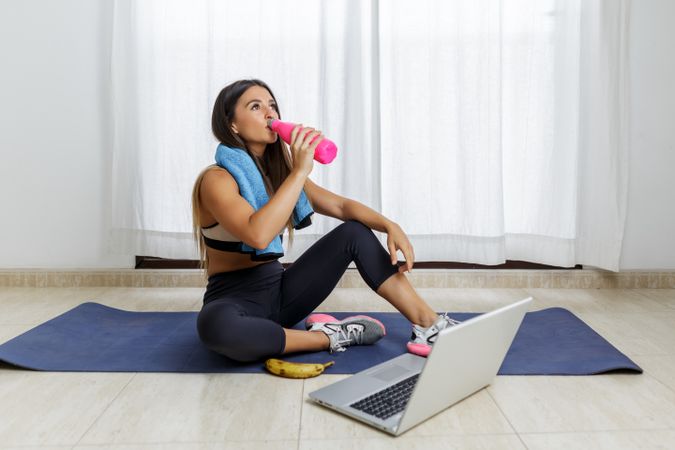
[(409, 258), (392, 253), (304, 136), (308, 137), (297, 135), (294, 133), (319, 138)]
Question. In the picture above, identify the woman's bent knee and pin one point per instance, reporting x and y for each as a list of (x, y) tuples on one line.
[(354, 228), (239, 337), (216, 326)]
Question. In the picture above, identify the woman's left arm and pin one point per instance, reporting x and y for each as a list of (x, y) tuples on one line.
[(396, 238)]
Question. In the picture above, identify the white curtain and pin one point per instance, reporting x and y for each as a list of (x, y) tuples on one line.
[(488, 129)]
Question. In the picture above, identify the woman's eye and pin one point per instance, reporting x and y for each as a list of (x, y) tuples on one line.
[(257, 105)]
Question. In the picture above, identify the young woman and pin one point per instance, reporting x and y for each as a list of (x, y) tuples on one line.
[(250, 305)]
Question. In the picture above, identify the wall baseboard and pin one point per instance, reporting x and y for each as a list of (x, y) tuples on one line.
[(420, 278)]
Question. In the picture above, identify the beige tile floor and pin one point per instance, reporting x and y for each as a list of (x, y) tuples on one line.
[(239, 411)]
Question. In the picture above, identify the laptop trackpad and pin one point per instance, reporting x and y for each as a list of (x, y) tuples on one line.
[(390, 373)]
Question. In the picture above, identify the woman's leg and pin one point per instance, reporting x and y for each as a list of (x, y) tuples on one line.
[(299, 341), (234, 330), (398, 291), (314, 275), (308, 282)]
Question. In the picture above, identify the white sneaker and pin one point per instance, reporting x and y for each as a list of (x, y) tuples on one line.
[(423, 338)]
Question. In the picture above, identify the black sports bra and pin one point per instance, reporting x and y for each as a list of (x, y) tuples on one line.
[(219, 238)]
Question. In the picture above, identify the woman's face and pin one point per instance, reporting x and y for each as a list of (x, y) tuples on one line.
[(251, 112)]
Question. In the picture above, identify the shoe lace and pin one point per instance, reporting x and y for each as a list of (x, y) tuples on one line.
[(450, 320), (432, 339), (347, 335)]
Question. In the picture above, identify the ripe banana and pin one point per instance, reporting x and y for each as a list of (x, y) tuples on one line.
[(295, 370)]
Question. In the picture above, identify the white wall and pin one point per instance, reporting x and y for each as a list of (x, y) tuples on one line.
[(649, 239), (55, 136)]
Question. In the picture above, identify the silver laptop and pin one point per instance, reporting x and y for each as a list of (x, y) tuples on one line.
[(407, 390)]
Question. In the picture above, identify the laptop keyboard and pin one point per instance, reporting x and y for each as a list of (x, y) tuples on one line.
[(389, 401)]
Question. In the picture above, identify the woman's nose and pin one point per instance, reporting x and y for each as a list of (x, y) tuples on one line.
[(271, 112)]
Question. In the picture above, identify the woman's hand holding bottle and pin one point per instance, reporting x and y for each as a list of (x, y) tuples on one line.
[(303, 146), (325, 152)]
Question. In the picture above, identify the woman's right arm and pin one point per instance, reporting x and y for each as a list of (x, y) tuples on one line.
[(220, 195), (270, 220)]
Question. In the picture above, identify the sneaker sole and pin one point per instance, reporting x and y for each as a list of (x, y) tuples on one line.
[(419, 349), (314, 318)]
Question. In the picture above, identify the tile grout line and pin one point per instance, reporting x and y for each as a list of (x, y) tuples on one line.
[(520, 438), (302, 411), (385, 436), (163, 443), (639, 293), (610, 430), (513, 428), (105, 409), (302, 408), (659, 381), (406, 436)]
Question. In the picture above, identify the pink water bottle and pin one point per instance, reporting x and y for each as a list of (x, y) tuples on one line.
[(324, 153)]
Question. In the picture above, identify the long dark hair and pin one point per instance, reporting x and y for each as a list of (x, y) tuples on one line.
[(274, 166)]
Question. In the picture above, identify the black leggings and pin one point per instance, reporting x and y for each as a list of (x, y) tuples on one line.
[(245, 311)]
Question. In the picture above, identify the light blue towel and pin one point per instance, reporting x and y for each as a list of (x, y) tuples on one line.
[(251, 186)]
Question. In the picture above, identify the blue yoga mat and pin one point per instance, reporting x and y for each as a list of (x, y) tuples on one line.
[(96, 338)]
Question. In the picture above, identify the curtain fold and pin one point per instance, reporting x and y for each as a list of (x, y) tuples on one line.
[(488, 129)]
